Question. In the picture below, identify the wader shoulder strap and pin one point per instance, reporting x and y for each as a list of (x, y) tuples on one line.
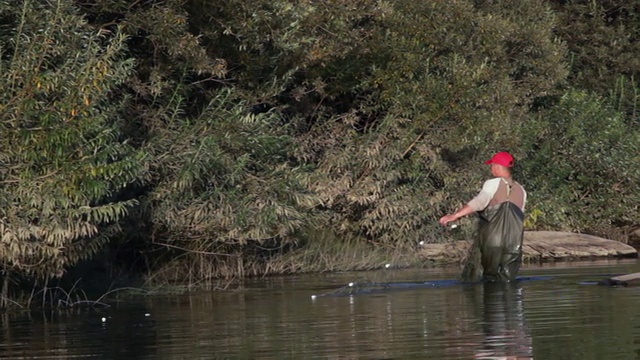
[(508, 187)]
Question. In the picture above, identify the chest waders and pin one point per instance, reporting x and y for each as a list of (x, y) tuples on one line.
[(496, 254), (500, 235)]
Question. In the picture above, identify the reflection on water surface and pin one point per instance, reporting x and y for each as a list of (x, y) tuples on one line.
[(556, 316)]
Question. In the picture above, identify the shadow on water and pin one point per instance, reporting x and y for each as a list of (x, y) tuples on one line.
[(114, 333)]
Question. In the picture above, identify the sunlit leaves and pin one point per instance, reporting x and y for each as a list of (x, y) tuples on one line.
[(63, 158)]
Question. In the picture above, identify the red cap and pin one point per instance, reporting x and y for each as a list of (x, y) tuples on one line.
[(502, 158)]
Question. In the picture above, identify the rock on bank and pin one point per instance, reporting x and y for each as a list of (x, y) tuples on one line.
[(540, 246)]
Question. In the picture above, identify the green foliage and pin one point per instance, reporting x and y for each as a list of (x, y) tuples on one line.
[(267, 120), (471, 71), (370, 113), (582, 166), (602, 39), (169, 60), (64, 165), (224, 183), (223, 180), (447, 81), (367, 95), (289, 48)]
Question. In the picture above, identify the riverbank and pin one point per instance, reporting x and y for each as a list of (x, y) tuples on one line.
[(540, 246), (325, 254)]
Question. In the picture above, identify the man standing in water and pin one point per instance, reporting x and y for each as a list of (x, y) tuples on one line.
[(500, 206)]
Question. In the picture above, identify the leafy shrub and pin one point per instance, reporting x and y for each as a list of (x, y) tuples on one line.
[(582, 166), (64, 165)]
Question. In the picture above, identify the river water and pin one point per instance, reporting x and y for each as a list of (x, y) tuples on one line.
[(554, 312)]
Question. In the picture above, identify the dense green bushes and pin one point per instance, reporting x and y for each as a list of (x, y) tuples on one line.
[(64, 163), (582, 167), (225, 133)]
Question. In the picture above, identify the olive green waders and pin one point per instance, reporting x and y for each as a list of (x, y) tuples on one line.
[(496, 253)]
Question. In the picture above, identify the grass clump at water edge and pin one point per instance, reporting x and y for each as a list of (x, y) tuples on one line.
[(320, 253)]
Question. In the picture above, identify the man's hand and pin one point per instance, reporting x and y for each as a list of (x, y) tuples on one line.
[(464, 211), (447, 219)]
